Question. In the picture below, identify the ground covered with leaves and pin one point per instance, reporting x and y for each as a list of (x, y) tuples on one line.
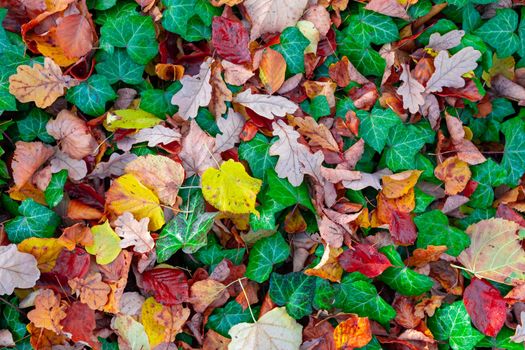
[(262, 174)]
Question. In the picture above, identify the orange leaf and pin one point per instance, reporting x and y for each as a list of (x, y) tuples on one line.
[(208, 292), (44, 339), (353, 333), (76, 234), (421, 257), (48, 312), (91, 290), (397, 185), (42, 85), (272, 70), (169, 72), (74, 35), (28, 157), (328, 268), (455, 173)]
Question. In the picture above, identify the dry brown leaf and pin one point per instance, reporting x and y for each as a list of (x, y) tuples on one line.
[(17, 269), (76, 169), (343, 72), (207, 293), (231, 128), (27, 159), (40, 84), (74, 35), (411, 91), (391, 8), (447, 41), (91, 290), (455, 173), (134, 233), (160, 174), (48, 311), (318, 134), (219, 93), (236, 74), (266, 106), (197, 151)]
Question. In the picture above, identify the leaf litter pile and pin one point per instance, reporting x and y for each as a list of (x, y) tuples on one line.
[(262, 174)]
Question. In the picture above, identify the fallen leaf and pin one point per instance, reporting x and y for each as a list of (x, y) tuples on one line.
[(455, 173), (18, 270), (75, 35), (207, 293), (162, 323), (411, 91), (231, 128), (400, 184), (272, 69), (230, 189), (76, 169), (131, 333), (106, 244), (168, 285), (318, 134), (421, 257), (447, 41), (40, 84), (343, 72), (134, 233), (328, 267), (354, 332), (45, 250), (80, 323), (27, 159), (197, 151), (230, 39), (114, 166), (392, 8), (266, 106), (48, 311), (364, 258), (91, 290), (275, 330)]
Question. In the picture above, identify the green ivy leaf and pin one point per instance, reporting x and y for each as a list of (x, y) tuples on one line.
[(91, 95), (292, 45), (35, 220), (501, 341), (498, 32), (191, 19), (187, 231), (434, 229), (514, 156), (285, 194), (293, 290), (223, 319), (375, 126), (213, 253), (371, 27), (452, 323), (266, 252), (358, 295), (135, 33), (158, 102), (118, 66), (367, 60), (404, 142), (11, 320), (319, 107), (487, 175), (34, 126), (401, 278), (256, 153), (55, 190)]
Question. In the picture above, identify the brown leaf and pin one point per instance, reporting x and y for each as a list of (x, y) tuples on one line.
[(411, 90), (48, 311), (343, 72), (455, 173), (169, 72), (328, 268), (505, 87), (355, 332), (236, 74), (134, 233), (320, 17), (75, 35), (91, 290), (73, 135), (391, 8), (27, 159), (273, 16), (197, 151), (208, 293), (219, 91), (42, 85), (318, 134), (421, 257)]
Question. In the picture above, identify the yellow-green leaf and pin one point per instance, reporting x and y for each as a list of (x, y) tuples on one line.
[(130, 119), (127, 193), (106, 244), (231, 189)]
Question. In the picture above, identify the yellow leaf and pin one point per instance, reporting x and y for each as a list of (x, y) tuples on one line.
[(397, 185), (328, 268), (39, 84), (353, 333), (130, 119), (106, 244), (127, 193), (503, 66), (45, 250), (230, 188), (162, 323), (311, 33)]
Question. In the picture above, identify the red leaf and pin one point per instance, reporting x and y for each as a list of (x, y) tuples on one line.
[(71, 264), (364, 258), (507, 213), (80, 323), (402, 228), (169, 286), (231, 40), (485, 306)]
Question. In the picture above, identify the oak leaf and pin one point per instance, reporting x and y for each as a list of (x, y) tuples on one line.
[(160, 174), (266, 106), (275, 330), (446, 41), (495, 252), (318, 134), (411, 90), (196, 92), (40, 84), (48, 311), (73, 135), (154, 136), (17, 269), (231, 129), (134, 233), (197, 151), (27, 159), (91, 290)]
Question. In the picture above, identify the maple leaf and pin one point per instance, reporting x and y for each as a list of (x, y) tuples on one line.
[(40, 84), (134, 233), (449, 70), (72, 134), (91, 290), (18, 270), (196, 92), (266, 106), (275, 330), (48, 311), (411, 91), (495, 251), (272, 16)]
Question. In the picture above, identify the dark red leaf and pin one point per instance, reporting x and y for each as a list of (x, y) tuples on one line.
[(327, 46), (469, 91), (366, 259), (231, 40), (485, 306), (470, 188), (72, 264), (80, 323), (169, 286), (507, 213), (402, 228)]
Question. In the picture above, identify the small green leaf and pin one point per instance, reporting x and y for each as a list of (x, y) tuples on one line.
[(256, 153), (488, 174), (158, 102), (118, 66), (187, 231), (11, 320), (514, 156), (452, 323), (498, 32), (292, 45), (213, 253), (404, 142), (293, 290), (34, 126), (55, 190), (35, 220), (265, 253), (287, 195), (371, 27), (91, 95), (434, 229), (223, 319), (319, 107), (367, 60), (401, 278), (375, 126), (191, 19)]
